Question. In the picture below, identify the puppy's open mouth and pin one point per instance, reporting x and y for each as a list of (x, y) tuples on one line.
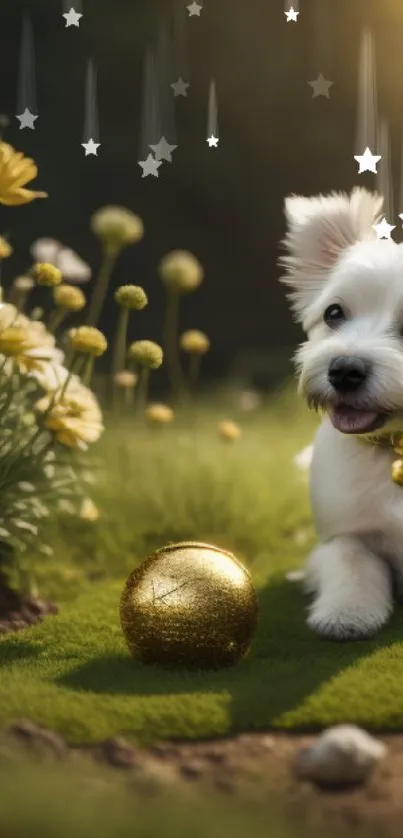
[(352, 420)]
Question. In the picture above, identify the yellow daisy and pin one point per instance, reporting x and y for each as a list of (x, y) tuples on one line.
[(15, 172)]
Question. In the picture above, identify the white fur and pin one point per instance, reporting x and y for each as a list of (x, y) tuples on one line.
[(358, 510)]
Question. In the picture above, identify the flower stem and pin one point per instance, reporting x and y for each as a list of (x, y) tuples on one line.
[(18, 298), (142, 389), (119, 351), (119, 354), (101, 288), (175, 371), (56, 318), (86, 374), (194, 372), (128, 397)]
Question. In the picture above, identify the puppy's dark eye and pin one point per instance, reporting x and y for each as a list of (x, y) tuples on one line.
[(334, 316)]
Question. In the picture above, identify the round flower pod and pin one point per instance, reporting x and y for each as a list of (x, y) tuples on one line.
[(194, 342), (146, 353), (69, 297), (47, 274), (88, 340), (181, 272), (131, 296)]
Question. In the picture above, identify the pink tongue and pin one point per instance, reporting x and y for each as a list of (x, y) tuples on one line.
[(350, 421)]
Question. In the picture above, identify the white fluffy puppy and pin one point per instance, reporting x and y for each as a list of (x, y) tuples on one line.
[(347, 292)]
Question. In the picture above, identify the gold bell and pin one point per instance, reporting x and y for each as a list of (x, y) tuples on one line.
[(397, 472)]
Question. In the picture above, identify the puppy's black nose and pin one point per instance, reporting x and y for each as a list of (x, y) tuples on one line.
[(347, 373)]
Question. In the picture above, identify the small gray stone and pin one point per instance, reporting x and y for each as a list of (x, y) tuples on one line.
[(41, 740), (193, 768), (119, 753), (151, 776), (341, 756), (24, 728)]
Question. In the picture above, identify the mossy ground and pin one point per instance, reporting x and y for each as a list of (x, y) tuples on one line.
[(74, 673)]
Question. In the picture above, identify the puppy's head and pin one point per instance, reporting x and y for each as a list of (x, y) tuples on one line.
[(346, 289)]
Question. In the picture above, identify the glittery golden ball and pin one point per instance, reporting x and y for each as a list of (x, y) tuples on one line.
[(397, 472), (191, 605)]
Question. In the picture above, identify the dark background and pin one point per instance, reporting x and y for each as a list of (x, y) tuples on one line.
[(225, 204)]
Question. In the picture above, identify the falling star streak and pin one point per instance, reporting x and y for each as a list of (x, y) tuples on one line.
[(91, 141), (26, 97), (384, 174), (164, 64), (72, 18), (212, 117), (367, 114), (179, 31), (67, 5), (151, 123), (321, 23), (401, 182), (72, 12), (321, 47)]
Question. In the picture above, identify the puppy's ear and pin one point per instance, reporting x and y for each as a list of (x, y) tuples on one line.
[(319, 229)]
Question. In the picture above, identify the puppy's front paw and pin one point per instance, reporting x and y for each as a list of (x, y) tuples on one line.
[(344, 622)]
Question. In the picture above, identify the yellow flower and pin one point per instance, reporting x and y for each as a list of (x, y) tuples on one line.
[(131, 296), (69, 297), (117, 227), (89, 511), (181, 272), (16, 340), (125, 379), (47, 274), (5, 248), (159, 414), (15, 172), (88, 340), (76, 418), (29, 345), (194, 342), (10, 316), (229, 431), (147, 353)]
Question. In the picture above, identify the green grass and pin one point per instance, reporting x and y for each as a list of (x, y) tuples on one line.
[(86, 802), (74, 672), (182, 483)]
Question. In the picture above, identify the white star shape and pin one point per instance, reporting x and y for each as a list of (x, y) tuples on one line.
[(321, 86), (72, 18), (383, 229), (163, 149), (180, 87), (367, 161), (27, 119), (401, 215), (150, 166), (194, 9), (213, 141), (91, 147), (291, 15)]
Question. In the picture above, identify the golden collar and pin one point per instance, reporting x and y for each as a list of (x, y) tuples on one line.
[(394, 442)]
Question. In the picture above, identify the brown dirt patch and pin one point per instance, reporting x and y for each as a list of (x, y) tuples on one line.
[(251, 766), (17, 612)]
